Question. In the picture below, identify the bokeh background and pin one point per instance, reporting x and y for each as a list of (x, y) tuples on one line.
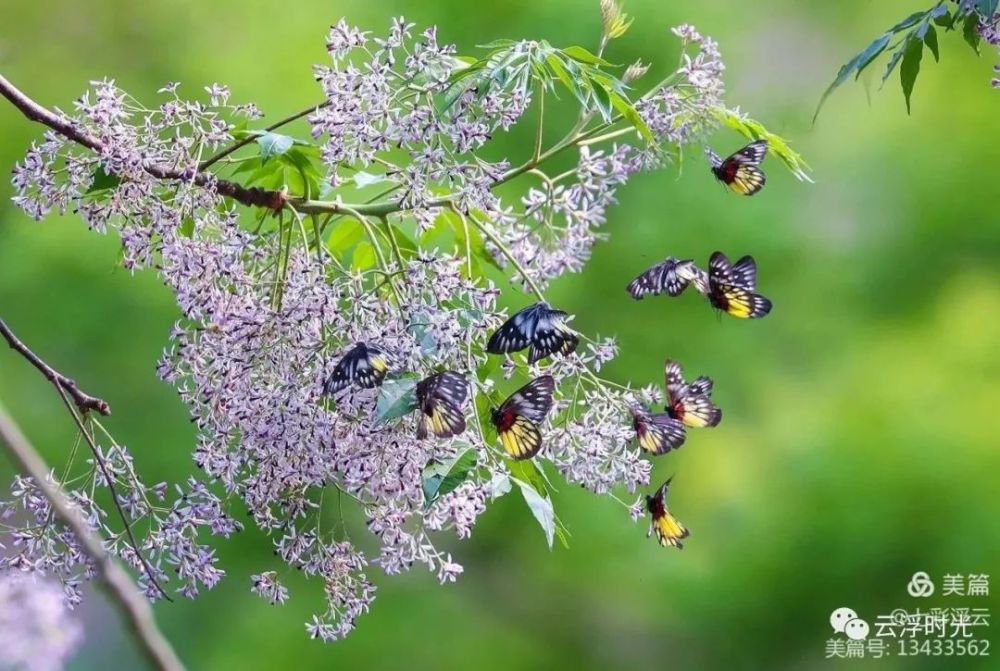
[(860, 441)]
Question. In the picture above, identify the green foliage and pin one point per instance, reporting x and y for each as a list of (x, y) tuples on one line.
[(441, 478), (103, 182), (906, 41), (396, 398), (541, 507), (754, 130)]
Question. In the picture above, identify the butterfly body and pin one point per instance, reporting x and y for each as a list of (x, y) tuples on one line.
[(741, 171), (670, 276), (364, 365), (657, 433), (542, 329), (668, 529), (690, 404), (440, 398), (518, 418)]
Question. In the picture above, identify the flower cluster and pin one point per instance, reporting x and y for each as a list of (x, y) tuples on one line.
[(36, 631), (268, 305), (989, 30)]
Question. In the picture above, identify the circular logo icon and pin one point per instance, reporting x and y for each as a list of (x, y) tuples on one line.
[(920, 585)]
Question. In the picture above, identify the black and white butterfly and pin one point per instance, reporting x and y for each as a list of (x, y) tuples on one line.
[(668, 529), (518, 418), (440, 399), (671, 275), (732, 287), (539, 327), (364, 365), (741, 172), (658, 433), (690, 404)]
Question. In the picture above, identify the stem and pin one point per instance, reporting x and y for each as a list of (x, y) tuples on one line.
[(134, 608), (510, 257), (212, 160), (541, 118)]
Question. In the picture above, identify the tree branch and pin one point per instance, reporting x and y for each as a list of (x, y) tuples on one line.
[(83, 400), (251, 197), (134, 607), (67, 389)]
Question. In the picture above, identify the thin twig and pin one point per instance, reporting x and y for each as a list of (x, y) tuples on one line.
[(134, 607), (209, 162), (84, 402)]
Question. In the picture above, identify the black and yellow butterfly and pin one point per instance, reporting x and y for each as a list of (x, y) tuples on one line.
[(668, 529), (440, 398), (690, 404), (658, 433), (671, 275), (741, 172), (517, 419), (364, 365), (539, 327), (732, 288)]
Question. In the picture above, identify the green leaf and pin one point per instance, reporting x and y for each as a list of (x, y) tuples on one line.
[(527, 471), (274, 144), (364, 256), (970, 31), (363, 179), (910, 67), (422, 334), (930, 39), (497, 44), (571, 83), (249, 165), (854, 65), (103, 181), (396, 398), (987, 7), (910, 21), (444, 477), (345, 234), (602, 99), (581, 55), (541, 508), (897, 55), (626, 109), (187, 227)]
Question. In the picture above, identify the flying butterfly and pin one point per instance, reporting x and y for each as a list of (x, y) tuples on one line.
[(517, 419), (440, 398), (690, 404), (668, 529), (741, 172), (539, 327), (671, 275), (732, 288), (364, 365), (657, 433)]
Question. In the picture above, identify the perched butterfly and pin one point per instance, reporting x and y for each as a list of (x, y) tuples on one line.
[(670, 275), (539, 327), (741, 171), (690, 403), (440, 398), (364, 365), (517, 419), (732, 287), (657, 433), (668, 529)]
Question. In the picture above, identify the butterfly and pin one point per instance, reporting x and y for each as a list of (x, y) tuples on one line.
[(668, 529), (671, 275), (440, 398), (517, 419), (732, 287), (657, 433), (364, 365), (690, 404), (537, 326), (741, 171)]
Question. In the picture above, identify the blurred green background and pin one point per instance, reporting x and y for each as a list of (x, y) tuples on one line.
[(860, 435)]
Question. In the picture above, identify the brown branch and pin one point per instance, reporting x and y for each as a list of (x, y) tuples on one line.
[(251, 197), (84, 402), (134, 607)]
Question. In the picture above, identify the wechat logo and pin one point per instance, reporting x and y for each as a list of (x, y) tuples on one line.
[(846, 621)]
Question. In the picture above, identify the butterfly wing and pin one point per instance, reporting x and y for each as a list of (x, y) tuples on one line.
[(668, 529), (677, 388), (744, 273), (516, 333), (670, 275), (518, 417), (657, 433), (739, 302), (552, 334), (441, 398), (752, 154), (702, 386), (364, 365), (697, 411), (741, 171)]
